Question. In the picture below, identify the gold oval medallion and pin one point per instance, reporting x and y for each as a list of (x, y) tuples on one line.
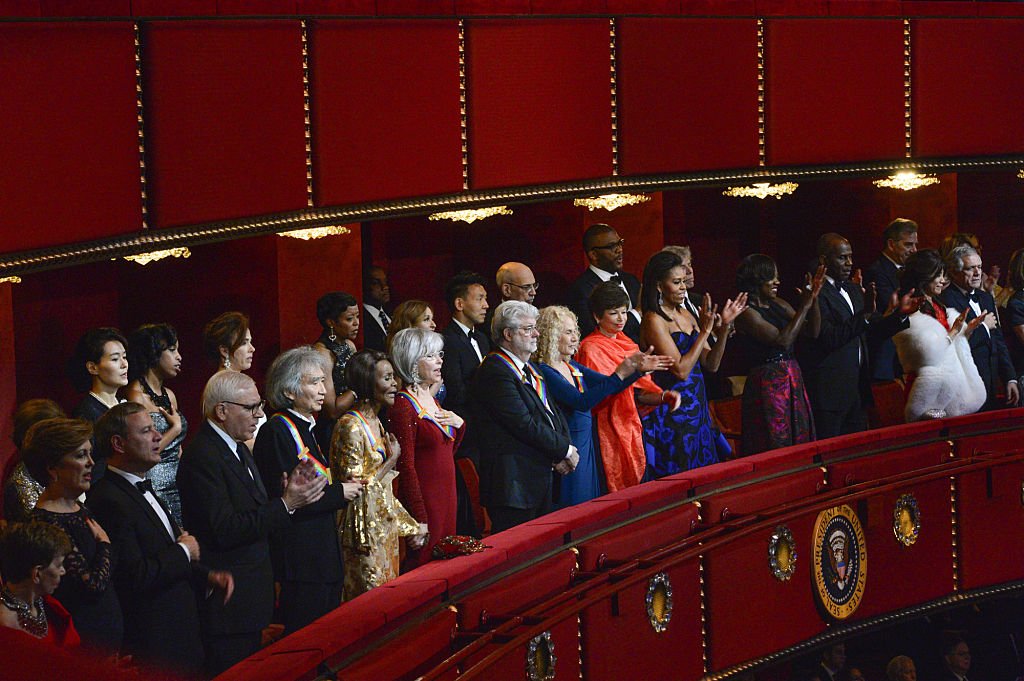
[(782, 553), (659, 602), (840, 561), (540, 658), (906, 520)]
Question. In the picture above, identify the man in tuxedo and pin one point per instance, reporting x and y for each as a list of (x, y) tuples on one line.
[(603, 248), (956, 658), (988, 347), (835, 364), (525, 432), (226, 506), (464, 345), (900, 242), (376, 296), (515, 282), (833, 659), (157, 564)]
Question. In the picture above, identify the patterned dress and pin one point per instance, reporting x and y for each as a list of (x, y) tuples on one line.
[(372, 523), (164, 474), (324, 429)]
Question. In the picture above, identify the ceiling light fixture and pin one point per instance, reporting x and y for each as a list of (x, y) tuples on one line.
[(153, 256), (316, 232), (471, 215), (762, 190), (906, 180), (610, 202)]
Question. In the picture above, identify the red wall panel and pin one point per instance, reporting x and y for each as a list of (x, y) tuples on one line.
[(835, 91), (385, 110), (224, 120), (968, 100), (539, 101), (687, 94), (69, 162)]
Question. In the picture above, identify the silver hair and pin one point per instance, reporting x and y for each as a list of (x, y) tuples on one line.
[(683, 252), (895, 666), (223, 386), (408, 347), (955, 258), (288, 371), (508, 316)]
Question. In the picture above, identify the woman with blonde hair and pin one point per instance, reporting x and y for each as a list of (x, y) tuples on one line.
[(415, 314)]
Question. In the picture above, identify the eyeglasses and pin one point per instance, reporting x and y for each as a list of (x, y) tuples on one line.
[(613, 246), (439, 355), (254, 409), (527, 287), (528, 330)]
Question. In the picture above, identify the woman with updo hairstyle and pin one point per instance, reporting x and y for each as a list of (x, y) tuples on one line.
[(362, 450), (941, 378), (776, 409), (414, 314), (680, 440), (21, 490), (427, 436), (154, 357), (338, 314), (227, 342), (98, 366), (58, 453), (31, 565)]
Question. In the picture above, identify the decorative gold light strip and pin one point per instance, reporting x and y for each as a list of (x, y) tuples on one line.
[(610, 202), (10, 280), (906, 180), (1020, 174), (153, 256), (762, 190), (471, 215), (612, 50), (308, 130), (317, 232), (908, 147), (762, 156), (955, 521), (463, 107), (140, 127), (704, 642)]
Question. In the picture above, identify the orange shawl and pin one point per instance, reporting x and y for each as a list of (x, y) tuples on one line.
[(618, 424)]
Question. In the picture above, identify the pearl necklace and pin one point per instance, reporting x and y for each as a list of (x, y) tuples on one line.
[(33, 624)]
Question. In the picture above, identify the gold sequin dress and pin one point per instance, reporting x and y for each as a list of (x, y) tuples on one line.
[(371, 524)]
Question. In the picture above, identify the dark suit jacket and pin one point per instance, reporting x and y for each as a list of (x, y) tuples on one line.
[(232, 517), (885, 276), (374, 338), (579, 302), (835, 364), (460, 363), (989, 350), (154, 578), (523, 439), (308, 550)]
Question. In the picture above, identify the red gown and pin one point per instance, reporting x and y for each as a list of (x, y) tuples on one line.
[(426, 467)]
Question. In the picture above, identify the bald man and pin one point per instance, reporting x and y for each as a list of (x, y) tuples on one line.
[(515, 282)]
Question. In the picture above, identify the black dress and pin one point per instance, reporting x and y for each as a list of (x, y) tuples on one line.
[(85, 589), (342, 352), (1014, 316)]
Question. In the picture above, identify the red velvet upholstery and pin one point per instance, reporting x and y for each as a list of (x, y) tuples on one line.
[(426, 645), (990, 521), (626, 543), (886, 464), (763, 495), (514, 592)]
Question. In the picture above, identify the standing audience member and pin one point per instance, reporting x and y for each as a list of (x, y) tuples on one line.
[(338, 314), (835, 364), (21, 490), (1015, 313), (941, 378), (514, 414), (603, 248), (227, 508), (415, 314), (900, 239), (619, 430), (376, 296), (901, 668), (428, 437), (577, 390), (99, 365), (833, 659), (157, 563), (681, 440), (31, 565), (227, 342), (956, 658), (776, 410), (987, 345), (363, 450), (306, 557), (154, 357), (515, 282), (59, 452)]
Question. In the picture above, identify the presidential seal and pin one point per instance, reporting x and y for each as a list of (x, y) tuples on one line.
[(659, 602), (782, 553), (540, 658), (906, 520), (840, 567)]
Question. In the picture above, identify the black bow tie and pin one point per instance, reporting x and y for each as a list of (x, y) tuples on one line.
[(615, 279), (145, 486), (972, 295)]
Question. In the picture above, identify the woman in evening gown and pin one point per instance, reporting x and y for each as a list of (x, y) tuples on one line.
[(338, 313)]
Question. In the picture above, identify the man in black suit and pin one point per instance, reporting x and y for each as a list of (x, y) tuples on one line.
[(525, 432), (515, 282), (956, 659), (900, 241), (835, 364), (833, 660), (464, 345), (157, 564), (226, 506), (603, 248), (376, 296), (988, 347)]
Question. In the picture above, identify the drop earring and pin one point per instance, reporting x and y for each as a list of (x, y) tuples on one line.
[(332, 336), (227, 362), (661, 298)]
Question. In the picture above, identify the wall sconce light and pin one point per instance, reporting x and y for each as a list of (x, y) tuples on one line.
[(610, 202), (471, 215), (316, 232), (10, 280), (906, 181), (762, 190), (153, 256)]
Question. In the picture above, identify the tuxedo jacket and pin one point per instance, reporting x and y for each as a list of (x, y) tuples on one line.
[(229, 512), (835, 364), (154, 578), (579, 302), (988, 348), (374, 337), (884, 274), (460, 363), (308, 550), (521, 439)]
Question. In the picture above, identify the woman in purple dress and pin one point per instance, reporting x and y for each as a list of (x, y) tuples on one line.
[(776, 411)]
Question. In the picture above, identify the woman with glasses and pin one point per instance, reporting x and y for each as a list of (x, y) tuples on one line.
[(428, 437), (414, 314)]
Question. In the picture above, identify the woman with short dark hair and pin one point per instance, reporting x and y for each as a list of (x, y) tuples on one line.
[(338, 314), (98, 366)]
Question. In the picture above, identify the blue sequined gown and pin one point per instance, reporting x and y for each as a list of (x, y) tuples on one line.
[(164, 474)]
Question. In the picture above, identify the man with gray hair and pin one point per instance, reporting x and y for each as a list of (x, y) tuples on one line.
[(525, 432), (988, 347), (227, 508)]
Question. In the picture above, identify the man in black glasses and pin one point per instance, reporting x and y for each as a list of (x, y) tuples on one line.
[(603, 247), (515, 282)]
